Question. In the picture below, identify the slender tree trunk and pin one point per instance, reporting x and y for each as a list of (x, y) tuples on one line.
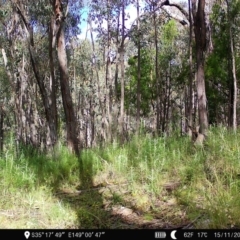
[(16, 84), (33, 122), (116, 93), (235, 89), (233, 62), (230, 93), (1, 128), (99, 92), (47, 106), (189, 119), (117, 58), (13, 88), (168, 93), (158, 125), (52, 86), (138, 70), (92, 114), (122, 111), (23, 100), (200, 38), (108, 91), (164, 103)]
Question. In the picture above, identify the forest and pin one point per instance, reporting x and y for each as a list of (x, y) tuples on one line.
[(119, 114)]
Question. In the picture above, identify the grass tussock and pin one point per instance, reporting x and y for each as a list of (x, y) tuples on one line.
[(167, 179)]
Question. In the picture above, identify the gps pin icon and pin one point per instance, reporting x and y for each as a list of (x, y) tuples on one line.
[(27, 234)]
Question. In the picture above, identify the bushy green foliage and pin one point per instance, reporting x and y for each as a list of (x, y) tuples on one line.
[(218, 69), (147, 72), (146, 82)]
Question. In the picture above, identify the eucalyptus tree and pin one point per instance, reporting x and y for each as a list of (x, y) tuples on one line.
[(110, 18), (189, 111), (56, 22), (153, 7), (121, 49), (58, 36), (27, 14), (5, 105), (19, 55), (36, 31), (200, 30), (106, 16), (233, 14), (99, 14), (168, 57), (15, 58), (139, 65), (165, 59), (200, 35), (223, 62), (86, 88)]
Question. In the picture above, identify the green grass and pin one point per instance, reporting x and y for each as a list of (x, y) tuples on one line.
[(165, 178)]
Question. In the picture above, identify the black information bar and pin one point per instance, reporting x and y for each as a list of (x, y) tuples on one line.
[(147, 234)]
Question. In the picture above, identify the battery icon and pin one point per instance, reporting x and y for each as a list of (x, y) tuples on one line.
[(160, 234)]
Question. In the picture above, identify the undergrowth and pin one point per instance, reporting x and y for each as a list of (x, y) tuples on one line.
[(165, 178)]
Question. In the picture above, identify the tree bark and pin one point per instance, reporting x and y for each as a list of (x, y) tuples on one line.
[(52, 75), (71, 122), (1, 128), (99, 92), (108, 84), (121, 49), (234, 76), (158, 124), (200, 38), (189, 118), (139, 69)]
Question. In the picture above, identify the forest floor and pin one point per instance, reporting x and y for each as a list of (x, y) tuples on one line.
[(105, 205), (95, 202), (152, 183)]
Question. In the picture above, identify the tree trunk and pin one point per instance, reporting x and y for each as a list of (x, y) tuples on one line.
[(99, 92), (47, 105), (52, 86), (108, 84), (234, 85), (189, 118), (200, 38), (158, 125), (11, 79), (1, 128), (117, 58), (71, 123), (138, 70), (121, 49)]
